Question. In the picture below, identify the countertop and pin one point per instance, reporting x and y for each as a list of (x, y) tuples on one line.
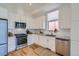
[(45, 35), (59, 37), (63, 37)]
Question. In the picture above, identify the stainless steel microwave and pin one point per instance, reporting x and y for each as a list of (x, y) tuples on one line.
[(20, 25)]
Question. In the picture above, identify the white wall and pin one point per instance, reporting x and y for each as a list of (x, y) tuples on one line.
[(65, 16), (64, 32), (12, 16), (19, 16), (65, 20), (75, 30)]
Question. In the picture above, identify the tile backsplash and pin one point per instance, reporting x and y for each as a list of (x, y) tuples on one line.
[(64, 32), (17, 31), (37, 31)]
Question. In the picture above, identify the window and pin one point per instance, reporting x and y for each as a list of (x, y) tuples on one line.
[(52, 19)]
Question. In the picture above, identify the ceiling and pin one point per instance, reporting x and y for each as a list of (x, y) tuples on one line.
[(34, 9)]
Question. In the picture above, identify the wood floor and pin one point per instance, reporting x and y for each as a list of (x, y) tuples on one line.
[(32, 50)]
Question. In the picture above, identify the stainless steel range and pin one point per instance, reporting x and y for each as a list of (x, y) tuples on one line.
[(21, 40)]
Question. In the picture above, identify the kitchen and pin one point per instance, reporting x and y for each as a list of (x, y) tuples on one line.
[(29, 24)]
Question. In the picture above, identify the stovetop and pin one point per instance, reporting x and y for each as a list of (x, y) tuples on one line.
[(20, 35)]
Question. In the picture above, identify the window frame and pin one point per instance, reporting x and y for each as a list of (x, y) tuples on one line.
[(47, 22)]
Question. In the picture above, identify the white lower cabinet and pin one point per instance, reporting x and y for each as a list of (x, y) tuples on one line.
[(31, 38), (44, 41), (51, 43), (11, 44), (47, 42)]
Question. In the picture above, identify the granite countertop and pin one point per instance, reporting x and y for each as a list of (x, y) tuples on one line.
[(46, 35), (63, 37), (57, 37)]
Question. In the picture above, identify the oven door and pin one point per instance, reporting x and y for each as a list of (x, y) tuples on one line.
[(21, 40)]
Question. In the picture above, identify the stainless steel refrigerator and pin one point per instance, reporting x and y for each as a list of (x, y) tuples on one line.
[(3, 37)]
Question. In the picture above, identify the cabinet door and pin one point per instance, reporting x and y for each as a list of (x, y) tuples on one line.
[(40, 22), (11, 20), (11, 44), (42, 41), (3, 13), (51, 44), (31, 38), (28, 40), (35, 38)]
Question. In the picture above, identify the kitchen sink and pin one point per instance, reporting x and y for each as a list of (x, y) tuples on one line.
[(51, 35)]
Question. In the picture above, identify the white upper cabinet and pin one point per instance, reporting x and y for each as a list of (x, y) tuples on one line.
[(14, 17), (3, 13), (41, 22), (11, 20), (65, 16), (37, 22)]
